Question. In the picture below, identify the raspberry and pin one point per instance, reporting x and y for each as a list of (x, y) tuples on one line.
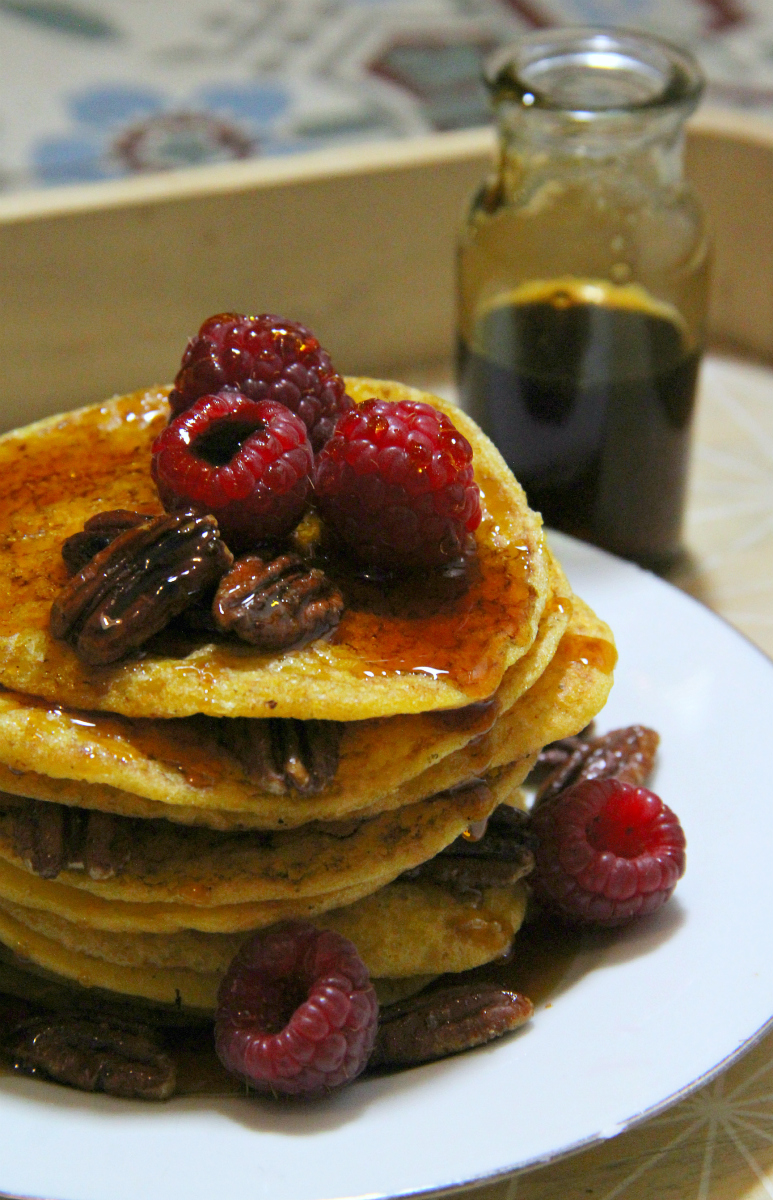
[(297, 1012), (395, 483), (264, 358), (246, 463), (606, 852)]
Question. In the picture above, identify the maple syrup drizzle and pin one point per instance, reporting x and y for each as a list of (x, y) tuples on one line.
[(199, 1070), (542, 955), (53, 476), (461, 640), (592, 651), (185, 747), (558, 604), (187, 744)]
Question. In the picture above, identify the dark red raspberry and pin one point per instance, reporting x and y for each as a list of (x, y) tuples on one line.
[(395, 483), (248, 464), (297, 1012), (606, 852), (264, 358)]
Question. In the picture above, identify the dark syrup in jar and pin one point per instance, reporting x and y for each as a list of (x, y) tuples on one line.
[(590, 404)]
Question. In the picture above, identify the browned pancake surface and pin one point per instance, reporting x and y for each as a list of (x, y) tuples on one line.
[(64, 470)]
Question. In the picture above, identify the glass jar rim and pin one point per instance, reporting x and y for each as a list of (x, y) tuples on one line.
[(585, 70)]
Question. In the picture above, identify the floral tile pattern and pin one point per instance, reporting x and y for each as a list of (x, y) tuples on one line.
[(98, 89)]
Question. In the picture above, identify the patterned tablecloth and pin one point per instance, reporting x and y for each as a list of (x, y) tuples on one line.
[(717, 1144), (97, 89)]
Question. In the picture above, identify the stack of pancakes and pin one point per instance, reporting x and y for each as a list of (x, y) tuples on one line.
[(437, 710)]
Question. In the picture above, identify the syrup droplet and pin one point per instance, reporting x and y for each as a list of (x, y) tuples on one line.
[(594, 652), (475, 832), (478, 717), (195, 893)]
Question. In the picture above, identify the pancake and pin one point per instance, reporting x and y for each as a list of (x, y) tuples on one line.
[(175, 864), (194, 990), (65, 469), (85, 908), (566, 696), (205, 953), (19, 977), (409, 928), (77, 898), (571, 691), (387, 927), (184, 766), (405, 930)]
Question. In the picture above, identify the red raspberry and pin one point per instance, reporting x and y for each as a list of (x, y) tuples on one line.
[(395, 483), (264, 358), (606, 852), (247, 464), (297, 1012)]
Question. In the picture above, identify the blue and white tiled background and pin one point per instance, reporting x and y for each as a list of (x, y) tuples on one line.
[(98, 89)]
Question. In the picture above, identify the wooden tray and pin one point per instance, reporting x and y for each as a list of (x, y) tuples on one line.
[(101, 284)]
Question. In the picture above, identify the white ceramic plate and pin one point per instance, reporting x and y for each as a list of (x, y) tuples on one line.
[(654, 1014)]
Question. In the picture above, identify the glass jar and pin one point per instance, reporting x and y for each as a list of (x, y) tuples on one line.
[(583, 280)]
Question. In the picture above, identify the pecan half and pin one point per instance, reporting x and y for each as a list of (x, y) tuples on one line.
[(133, 588), (94, 1056), (106, 843), (438, 1023), (50, 838), (14, 1011), (97, 533), (276, 605), (38, 837), (499, 858), (556, 753), (471, 875), (626, 754), (281, 754)]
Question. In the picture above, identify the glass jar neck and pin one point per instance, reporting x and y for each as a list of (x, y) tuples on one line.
[(593, 101), (646, 149)]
